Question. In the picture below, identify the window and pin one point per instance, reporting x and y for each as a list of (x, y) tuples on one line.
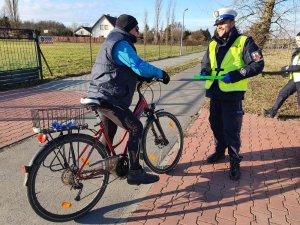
[(101, 27), (106, 27)]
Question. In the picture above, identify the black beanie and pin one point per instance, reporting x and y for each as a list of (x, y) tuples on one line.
[(126, 22)]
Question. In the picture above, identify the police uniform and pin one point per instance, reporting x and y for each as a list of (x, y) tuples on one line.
[(238, 58)]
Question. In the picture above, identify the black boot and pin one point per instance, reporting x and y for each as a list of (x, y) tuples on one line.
[(139, 176), (235, 172), (215, 157), (269, 113)]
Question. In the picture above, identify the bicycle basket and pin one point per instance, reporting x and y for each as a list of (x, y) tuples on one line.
[(56, 119)]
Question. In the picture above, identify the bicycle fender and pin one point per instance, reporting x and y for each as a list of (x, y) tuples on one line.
[(31, 163)]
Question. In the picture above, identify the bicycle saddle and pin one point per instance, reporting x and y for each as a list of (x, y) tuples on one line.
[(90, 101)]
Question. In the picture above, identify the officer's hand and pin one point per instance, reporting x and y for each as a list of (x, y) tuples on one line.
[(284, 69), (226, 79), (166, 77), (204, 72)]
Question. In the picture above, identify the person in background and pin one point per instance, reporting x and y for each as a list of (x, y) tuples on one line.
[(114, 77), (236, 57), (292, 86)]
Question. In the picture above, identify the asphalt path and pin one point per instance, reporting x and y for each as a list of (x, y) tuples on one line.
[(182, 97)]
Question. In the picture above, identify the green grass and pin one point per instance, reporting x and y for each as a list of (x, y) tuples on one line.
[(75, 58)]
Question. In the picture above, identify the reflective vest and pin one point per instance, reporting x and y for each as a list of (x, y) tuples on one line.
[(232, 61), (295, 75)]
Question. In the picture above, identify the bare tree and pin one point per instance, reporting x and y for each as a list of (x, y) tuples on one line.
[(167, 30), (158, 7), (12, 9), (172, 26), (265, 18), (145, 34)]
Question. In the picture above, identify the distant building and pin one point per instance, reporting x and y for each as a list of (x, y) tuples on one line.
[(83, 31), (103, 26)]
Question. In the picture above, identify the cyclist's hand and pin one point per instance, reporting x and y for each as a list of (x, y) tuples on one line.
[(166, 77), (145, 79)]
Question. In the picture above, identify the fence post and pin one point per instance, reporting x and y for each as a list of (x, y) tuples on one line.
[(36, 39)]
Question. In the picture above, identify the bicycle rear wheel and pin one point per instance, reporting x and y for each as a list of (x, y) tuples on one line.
[(162, 142), (54, 190)]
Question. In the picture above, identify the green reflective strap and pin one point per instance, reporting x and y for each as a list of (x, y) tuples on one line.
[(198, 77)]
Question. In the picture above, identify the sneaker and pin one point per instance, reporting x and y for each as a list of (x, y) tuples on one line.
[(139, 176), (235, 172), (215, 157), (269, 113)]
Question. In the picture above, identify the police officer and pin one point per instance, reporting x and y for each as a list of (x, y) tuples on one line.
[(235, 57), (293, 84), (115, 73)]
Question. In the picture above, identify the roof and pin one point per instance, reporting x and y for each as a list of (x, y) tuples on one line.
[(89, 29), (110, 19)]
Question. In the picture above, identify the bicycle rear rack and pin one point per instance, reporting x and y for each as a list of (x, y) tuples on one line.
[(57, 119)]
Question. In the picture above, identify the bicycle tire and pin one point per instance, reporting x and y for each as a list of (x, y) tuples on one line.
[(56, 202), (162, 157)]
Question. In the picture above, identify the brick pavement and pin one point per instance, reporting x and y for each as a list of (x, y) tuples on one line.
[(15, 117), (199, 193)]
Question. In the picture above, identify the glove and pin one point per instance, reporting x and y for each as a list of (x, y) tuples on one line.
[(226, 79), (284, 69), (204, 73), (166, 77)]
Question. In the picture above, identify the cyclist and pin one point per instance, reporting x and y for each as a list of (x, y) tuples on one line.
[(114, 77)]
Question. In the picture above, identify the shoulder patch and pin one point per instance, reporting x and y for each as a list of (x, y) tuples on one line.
[(243, 71), (256, 56)]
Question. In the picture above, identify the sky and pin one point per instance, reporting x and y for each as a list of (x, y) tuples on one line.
[(87, 12)]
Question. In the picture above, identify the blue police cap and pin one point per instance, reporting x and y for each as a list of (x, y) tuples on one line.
[(224, 14)]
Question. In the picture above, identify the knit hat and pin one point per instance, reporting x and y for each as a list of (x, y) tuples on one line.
[(126, 22)]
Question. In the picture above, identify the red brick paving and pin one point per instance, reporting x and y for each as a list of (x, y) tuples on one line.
[(199, 193), (15, 106)]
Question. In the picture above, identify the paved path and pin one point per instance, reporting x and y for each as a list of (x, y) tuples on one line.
[(200, 193)]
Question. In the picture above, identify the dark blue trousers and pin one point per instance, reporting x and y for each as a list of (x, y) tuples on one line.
[(226, 121)]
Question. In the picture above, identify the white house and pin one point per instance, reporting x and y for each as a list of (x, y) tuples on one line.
[(83, 31), (103, 26)]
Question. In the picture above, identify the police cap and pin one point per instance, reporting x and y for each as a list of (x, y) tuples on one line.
[(224, 14)]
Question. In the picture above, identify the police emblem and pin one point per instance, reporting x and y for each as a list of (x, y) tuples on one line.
[(256, 56), (243, 71)]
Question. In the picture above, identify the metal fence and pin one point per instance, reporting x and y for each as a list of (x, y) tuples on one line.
[(20, 60)]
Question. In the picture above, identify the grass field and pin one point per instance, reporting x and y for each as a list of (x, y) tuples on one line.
[(75, 58)]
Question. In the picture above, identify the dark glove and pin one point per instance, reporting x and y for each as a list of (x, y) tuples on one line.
[(144, 79), (204, 73), (226, 79), (166, 78), (285, 69)]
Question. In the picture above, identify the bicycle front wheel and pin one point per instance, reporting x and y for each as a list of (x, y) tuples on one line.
[(55, 191), (162, 142)]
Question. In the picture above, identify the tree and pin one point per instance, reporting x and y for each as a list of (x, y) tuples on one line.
[(167, 31), (265, 18), (157, 20), (12, 9)]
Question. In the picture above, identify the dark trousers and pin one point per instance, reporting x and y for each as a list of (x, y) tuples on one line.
[(290, 88), (114, 116), (226, 121)]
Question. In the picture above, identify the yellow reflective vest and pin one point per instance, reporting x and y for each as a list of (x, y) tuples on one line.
[(232, 61), (295, 75)]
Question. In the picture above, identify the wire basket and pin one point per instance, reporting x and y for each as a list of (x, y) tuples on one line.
[(56, 119)]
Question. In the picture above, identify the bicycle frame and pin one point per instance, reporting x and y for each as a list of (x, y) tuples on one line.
[(139, 109)]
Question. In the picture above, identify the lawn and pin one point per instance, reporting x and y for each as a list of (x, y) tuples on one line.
[(78, 58)]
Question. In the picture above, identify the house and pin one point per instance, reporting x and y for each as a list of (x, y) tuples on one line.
[(103, 26), (83, 31)]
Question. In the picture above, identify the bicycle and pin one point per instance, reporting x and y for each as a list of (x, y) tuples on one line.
[(70, 173)]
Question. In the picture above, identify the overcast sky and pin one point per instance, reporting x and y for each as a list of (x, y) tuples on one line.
[(87, 12)]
